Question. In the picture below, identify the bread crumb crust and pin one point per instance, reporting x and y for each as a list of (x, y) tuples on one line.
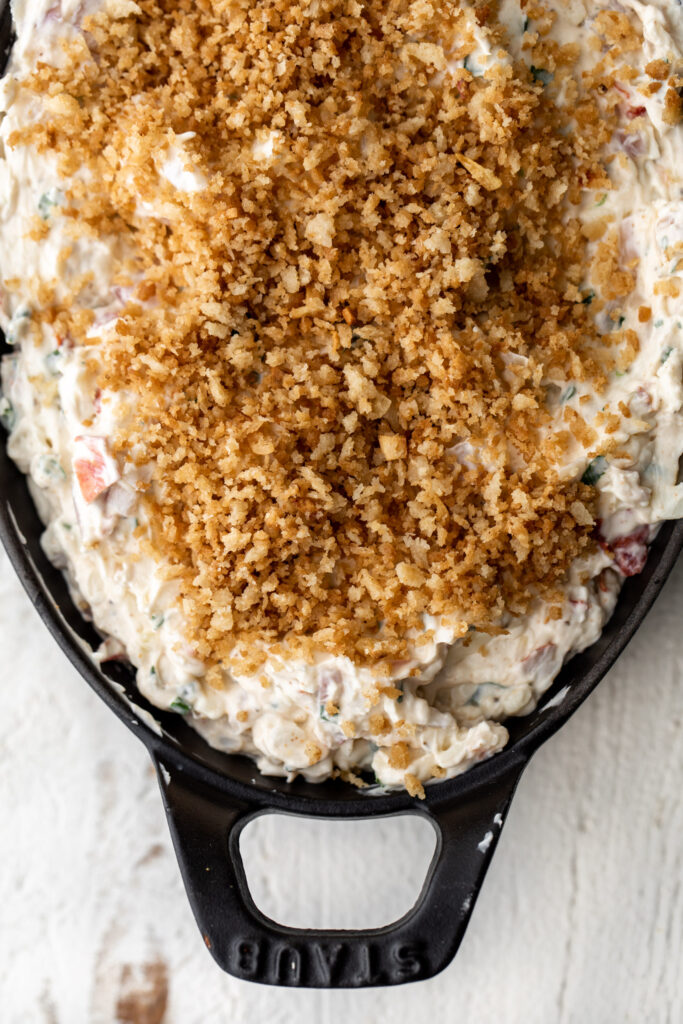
[(338, 347)]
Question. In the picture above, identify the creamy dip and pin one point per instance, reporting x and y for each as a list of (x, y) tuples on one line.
[(294, 716)]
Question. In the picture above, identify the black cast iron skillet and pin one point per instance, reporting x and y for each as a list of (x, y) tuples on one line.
[(210, 796)]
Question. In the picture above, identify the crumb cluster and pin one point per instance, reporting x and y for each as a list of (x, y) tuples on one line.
[(337, 348)]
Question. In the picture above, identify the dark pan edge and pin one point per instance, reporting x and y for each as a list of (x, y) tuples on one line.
[(115, 684)]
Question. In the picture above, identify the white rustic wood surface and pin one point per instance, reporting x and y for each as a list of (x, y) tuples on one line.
[(580, 919)]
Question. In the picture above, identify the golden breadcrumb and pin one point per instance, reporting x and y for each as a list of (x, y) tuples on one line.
[(337, 347), (414, 786)]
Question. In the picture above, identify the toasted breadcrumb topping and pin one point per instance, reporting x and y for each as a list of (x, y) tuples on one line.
[(339, 339)]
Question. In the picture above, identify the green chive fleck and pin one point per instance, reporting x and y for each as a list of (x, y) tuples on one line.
[(480, 691), (48, 201), (180, 706), (541, 75), (594, 470), (568, 394), (52, 361), (8, 416), (49, 466), (17, 325)]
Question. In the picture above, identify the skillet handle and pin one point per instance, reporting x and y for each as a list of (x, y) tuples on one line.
[(205, 830)]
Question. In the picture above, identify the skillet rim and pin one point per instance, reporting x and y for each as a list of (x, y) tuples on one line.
[(580, 675)]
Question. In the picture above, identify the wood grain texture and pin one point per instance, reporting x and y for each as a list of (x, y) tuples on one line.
[(580, 919)]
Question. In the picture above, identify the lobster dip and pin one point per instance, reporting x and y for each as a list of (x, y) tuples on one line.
[(344, 351)]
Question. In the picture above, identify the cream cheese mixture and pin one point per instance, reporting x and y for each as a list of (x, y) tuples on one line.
[(444, 704)]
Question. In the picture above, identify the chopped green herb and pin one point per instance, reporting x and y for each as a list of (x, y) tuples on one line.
[(48, 201), (541, 75), (48, 466), (157, 621), (525, 26), (587, 299), (52, 362), (45, 205), (480, 692), (180, 706), (594, 470), (17, 325), (602, 200), (568, 394), (659, 323), (8, 416), (152, 671), (666, 353), (621, 321), (470, 65)]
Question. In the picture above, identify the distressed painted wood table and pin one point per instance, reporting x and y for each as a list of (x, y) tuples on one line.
[(580, 919)]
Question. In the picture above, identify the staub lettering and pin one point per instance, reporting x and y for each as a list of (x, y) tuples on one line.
[(328, 957), (369, 957), (351, 964), (287, 963), (246, 956), (408, 961)]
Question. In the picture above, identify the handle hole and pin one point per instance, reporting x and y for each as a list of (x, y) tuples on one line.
[(313, 873)]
